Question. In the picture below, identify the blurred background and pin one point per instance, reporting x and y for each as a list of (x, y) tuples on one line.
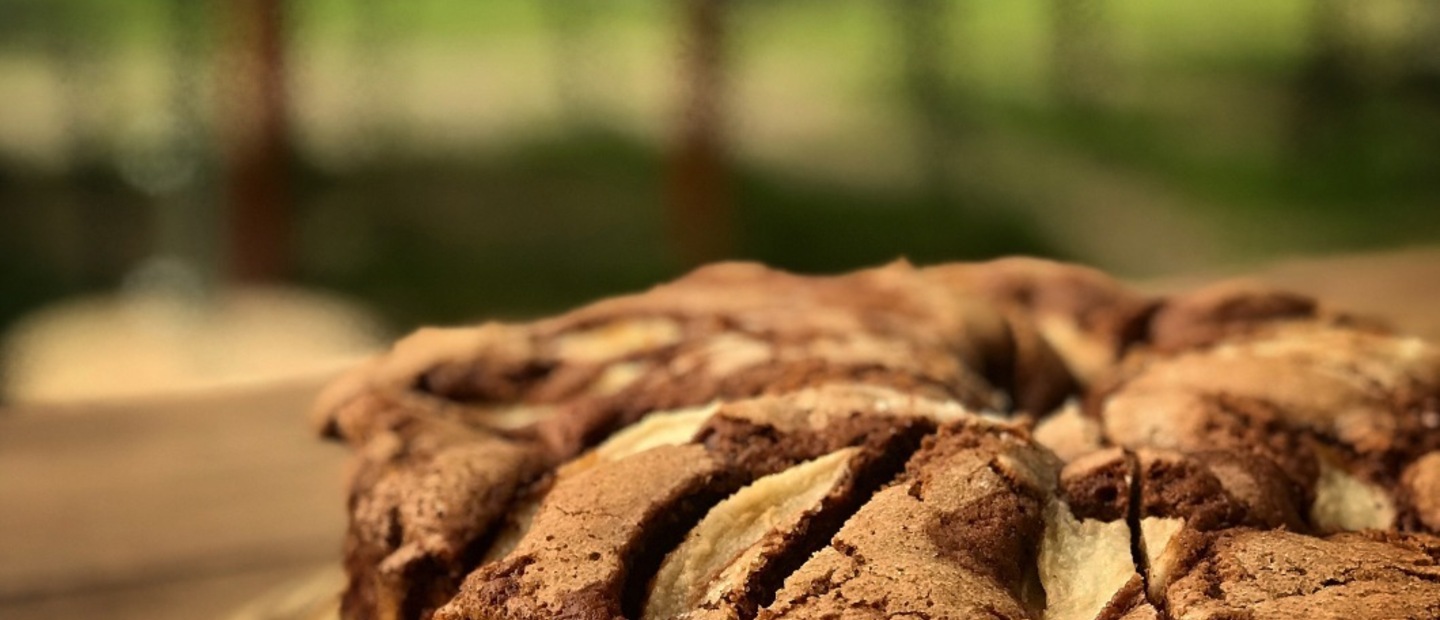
[(205, 193), (445, 160)]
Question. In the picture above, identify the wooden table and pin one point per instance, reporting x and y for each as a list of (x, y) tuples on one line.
[(182, 507), (186, 507)]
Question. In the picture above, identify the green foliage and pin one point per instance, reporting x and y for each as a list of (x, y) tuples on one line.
[(553, 223)]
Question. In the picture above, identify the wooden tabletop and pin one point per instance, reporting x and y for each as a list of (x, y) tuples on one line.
[(180, 507), (187, 507)]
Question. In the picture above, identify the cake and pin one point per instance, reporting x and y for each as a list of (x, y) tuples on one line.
[(1010, 439)]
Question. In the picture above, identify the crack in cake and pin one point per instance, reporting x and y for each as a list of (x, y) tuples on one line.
[(1011, 439)]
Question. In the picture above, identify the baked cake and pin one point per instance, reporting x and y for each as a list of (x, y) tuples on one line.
[(1011, 439)]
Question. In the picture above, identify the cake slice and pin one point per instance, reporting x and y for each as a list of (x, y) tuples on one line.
[(727, 565), (554, 387), (423, 497), (1420, 493), (745, 443), (956, 537), (1086, 316), (601, 532), (1279, 575), (1340, 410)]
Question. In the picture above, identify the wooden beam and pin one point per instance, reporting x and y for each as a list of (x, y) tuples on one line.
[(257, 142), (698, 194)]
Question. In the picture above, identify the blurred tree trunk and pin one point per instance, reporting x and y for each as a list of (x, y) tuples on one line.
[(257, 149), (76, 47), (1329, 92), (698, 193), (79, 47), (925, 53), (1080, 57)]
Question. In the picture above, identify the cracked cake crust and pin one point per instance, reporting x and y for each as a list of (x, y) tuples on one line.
[(1232, 452)]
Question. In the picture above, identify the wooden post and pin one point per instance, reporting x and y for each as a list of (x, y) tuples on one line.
[(257, 149), (1328, 121), (698, 193)]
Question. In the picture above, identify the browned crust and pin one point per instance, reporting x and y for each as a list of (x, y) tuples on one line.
[(1232, 401)]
